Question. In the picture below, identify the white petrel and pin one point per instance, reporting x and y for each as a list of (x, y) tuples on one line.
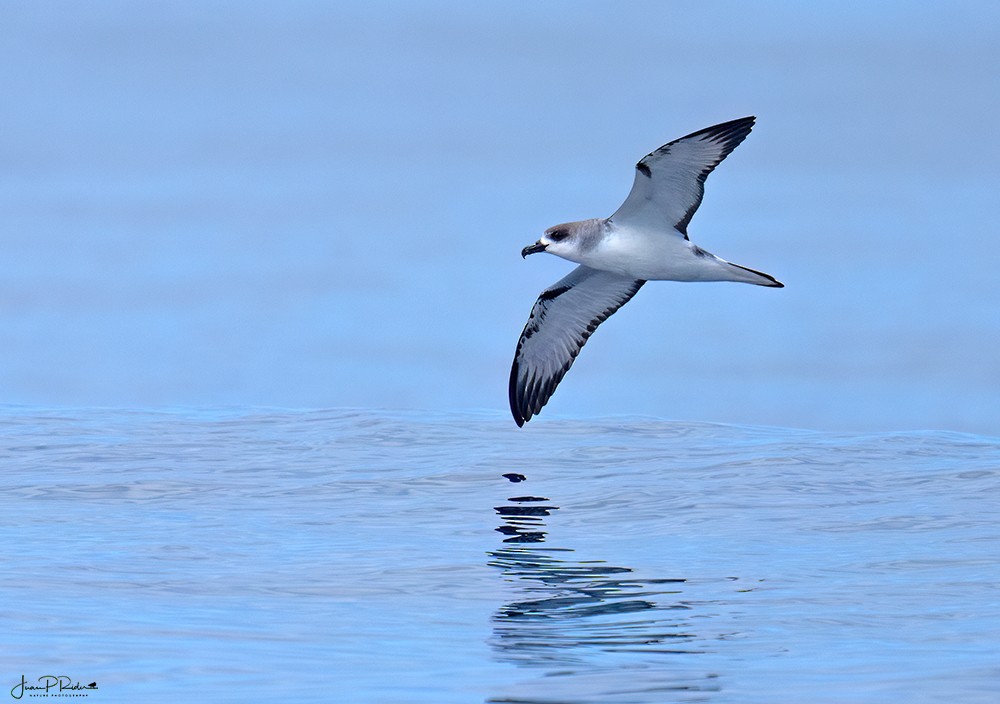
[(645, 240)]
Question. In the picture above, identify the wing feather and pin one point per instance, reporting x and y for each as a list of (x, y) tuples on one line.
[(670, 182), (562, 319)]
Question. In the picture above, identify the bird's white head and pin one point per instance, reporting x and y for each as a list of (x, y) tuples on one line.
[(570, 240)]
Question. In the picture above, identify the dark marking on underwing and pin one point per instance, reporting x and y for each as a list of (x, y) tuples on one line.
[(553, 293), (644, 170)]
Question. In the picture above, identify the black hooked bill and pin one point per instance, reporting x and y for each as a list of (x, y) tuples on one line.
[(532, 249)]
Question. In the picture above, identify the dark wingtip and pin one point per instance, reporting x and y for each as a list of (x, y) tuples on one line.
[(515, 409), (730, 134)]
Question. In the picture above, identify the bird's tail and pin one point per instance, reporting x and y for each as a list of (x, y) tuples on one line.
[(751, 276)]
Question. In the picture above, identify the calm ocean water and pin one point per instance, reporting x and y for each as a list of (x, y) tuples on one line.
[(365, 556)]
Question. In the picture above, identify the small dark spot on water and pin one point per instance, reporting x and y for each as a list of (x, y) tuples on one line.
[(514, 477), (523, 499), (671, 580)]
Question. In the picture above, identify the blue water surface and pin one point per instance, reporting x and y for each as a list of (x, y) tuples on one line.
[(360, 556)]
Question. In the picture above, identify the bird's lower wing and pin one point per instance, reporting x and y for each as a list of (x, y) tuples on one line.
[(562, 319)]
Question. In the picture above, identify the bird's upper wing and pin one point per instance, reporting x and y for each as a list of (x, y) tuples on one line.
[(563, 317), (670, 182)]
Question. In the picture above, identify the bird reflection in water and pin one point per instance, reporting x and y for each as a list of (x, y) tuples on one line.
[(571, 607), (600, 632)]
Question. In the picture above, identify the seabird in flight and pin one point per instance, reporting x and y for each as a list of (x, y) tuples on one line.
[(645, 240)]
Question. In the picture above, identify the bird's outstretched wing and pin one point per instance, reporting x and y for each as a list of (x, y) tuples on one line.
[(563, 317), (670, 182)]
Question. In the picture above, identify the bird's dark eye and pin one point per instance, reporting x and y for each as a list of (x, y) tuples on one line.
[(557, 235)]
